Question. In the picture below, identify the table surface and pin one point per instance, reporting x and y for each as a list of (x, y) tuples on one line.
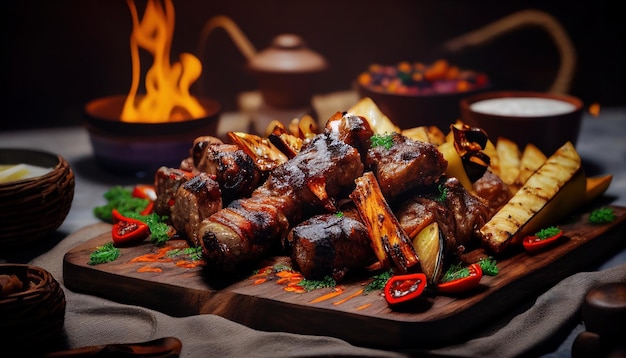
[(601, 145)]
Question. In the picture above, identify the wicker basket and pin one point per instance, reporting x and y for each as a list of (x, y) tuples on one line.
[(32, 319), (31, 209)]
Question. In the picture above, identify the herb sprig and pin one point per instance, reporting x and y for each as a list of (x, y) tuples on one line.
[(602, 216), (311, 285), (379, 282), (103, 254), (547, 232), (382, 140)]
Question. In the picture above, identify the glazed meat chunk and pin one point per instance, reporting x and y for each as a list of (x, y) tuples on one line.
[(405, 165)]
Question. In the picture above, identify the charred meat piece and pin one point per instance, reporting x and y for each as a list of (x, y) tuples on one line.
[(459, 214), (351, 129), (470, 212), (491, 188), (197, 151), (196, 199), (166, 184), (407, 164), (200, 145), (248, 227), (319, 173), (245, 230), (420, 211), (234, 170), (330, 245)]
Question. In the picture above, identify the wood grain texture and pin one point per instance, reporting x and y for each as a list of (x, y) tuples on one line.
[(430, 322)]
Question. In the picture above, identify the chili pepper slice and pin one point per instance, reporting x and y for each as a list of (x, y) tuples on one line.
[(403, 288), (148, 209), (144, 191), (463, 284), (148, 192), (533, 243), (127, 230)]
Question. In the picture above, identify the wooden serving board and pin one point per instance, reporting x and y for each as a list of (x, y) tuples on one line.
[(364, 320)]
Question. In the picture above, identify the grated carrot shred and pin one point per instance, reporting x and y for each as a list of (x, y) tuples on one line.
[(362, 307), (343, 300), (295, 288), (336, 292), (154, 257), (187, 263), (149, 269)]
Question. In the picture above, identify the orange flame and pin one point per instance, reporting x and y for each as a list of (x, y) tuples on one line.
[(167, 96)]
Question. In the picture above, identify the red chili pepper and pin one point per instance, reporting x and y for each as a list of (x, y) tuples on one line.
[(148, 209), (148, 192), (534, 243), (144, 191), (463, 284), (403, 288), (127, 230)]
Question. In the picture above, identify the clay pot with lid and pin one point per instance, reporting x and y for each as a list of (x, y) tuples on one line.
[(285, 72)]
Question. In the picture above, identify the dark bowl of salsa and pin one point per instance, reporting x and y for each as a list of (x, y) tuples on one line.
[(413, 94)]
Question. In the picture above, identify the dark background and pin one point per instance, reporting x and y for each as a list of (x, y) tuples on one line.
[(58, 55)]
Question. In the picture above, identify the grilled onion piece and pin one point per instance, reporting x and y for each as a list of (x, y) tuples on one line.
[(429, 246)]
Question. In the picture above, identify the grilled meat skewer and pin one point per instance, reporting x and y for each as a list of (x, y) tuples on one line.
[(249, 227)]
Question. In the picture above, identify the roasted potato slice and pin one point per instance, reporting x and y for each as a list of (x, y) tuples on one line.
[(508, 160), (430, 134), (531, 160), (379, 122), (455, 165)]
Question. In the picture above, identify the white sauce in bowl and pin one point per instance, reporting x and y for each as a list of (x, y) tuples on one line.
[(13, 172), (522, 107)]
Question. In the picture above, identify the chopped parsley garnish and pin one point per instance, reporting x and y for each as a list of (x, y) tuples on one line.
[(103, 254), (194, 253), (488, 265), (455, 272), (311, 285), (443, 193), (547, 232), (121, 199), (339, 214), (382, 140), (602, 216), (379, 282)]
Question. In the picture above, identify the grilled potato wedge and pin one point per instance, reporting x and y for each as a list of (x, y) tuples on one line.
[(430, 134), (379, 122), (490, 150), (554, 191), (509, 160), (455, 165), (532, 158)]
